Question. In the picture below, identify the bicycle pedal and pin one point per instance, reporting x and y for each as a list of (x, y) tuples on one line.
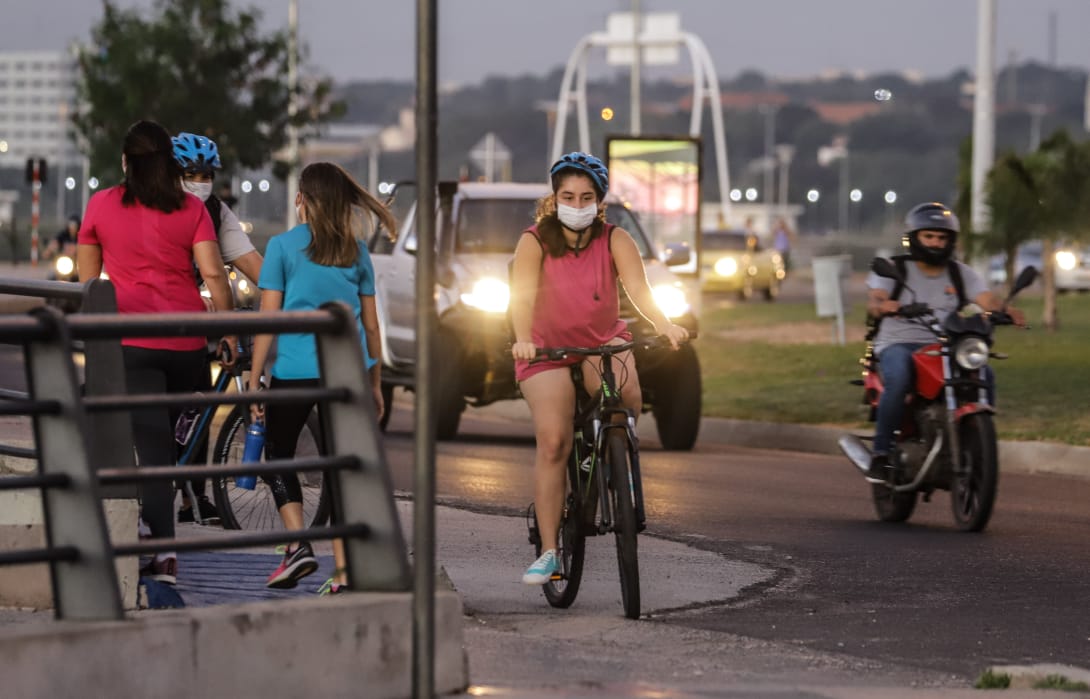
[(556, 577)]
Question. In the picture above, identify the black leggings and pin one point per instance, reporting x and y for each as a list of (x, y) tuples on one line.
[(159, 371), (283, 425)]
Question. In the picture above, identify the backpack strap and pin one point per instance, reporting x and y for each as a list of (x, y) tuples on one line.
[(959, 285), (215, 211)]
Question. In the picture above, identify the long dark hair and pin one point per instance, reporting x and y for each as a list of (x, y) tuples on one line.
[(329, 196), (549, 228), (152, 176)]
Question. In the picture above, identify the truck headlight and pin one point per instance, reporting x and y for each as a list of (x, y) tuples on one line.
[(1065, 260), (489, 294), (726, 267), (971, 353), (671, 299), (64, 265)]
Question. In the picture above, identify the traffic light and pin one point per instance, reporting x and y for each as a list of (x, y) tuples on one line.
[(30, 170)]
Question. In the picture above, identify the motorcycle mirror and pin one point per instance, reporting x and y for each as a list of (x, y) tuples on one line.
[(885, 268), (1026, 277)]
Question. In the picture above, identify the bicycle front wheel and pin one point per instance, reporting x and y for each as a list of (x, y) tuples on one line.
[(623, 499), (255, 510)]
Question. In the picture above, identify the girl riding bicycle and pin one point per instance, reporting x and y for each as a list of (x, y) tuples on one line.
[(564, 293)]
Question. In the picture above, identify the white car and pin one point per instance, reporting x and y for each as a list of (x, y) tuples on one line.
[(1071, 262)]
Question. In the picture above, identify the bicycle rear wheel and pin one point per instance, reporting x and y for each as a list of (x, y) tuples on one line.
[(255, 509), (623, 499)]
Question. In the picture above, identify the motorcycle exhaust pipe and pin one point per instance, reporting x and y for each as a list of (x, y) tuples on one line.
[(856, 451)]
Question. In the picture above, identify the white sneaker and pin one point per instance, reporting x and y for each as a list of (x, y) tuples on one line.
[(541, 570)]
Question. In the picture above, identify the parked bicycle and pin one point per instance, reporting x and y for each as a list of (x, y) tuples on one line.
[(242, 508), (605, 492)]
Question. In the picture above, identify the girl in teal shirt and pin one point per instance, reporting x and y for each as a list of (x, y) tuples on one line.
[(322, 259)]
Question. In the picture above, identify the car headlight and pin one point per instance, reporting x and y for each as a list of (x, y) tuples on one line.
[(64, 265), (671, 299), (971, 353), (1065, 260), (726, 267), (489, 294)]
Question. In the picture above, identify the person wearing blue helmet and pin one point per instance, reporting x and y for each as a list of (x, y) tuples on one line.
[(564, 293), (200, 158)]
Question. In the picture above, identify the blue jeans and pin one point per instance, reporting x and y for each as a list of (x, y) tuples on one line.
[(898, 373)]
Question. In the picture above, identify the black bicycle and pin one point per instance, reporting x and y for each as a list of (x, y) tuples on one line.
[(604, 487), (242, 508)]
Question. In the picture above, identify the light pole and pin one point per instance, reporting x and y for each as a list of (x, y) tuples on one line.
[(293, 108), (635, 77), (769, 112), (784, 154)]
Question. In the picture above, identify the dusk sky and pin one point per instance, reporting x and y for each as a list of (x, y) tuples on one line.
[(373, 39)]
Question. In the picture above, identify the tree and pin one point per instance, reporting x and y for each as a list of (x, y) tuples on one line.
[(193, 65), (1015, 206)]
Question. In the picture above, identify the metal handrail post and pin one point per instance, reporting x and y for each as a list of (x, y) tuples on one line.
[(377, 562), (86, 588), (110, 435)]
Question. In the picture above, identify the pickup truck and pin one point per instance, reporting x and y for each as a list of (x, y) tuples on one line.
[(478, 226)]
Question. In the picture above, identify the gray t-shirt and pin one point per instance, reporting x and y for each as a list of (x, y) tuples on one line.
[(234, 243), (938, 292)]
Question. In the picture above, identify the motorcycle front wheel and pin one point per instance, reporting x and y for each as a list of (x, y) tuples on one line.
[(973, 490)]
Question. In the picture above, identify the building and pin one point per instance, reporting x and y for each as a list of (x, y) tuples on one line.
[(37, 95)]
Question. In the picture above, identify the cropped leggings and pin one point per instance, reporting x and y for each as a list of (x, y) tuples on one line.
[(283, 425)]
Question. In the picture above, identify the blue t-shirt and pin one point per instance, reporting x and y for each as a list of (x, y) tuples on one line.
[(306, 286)]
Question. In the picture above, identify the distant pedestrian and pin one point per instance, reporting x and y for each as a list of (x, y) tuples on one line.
[(782, 240), (322, 259), (147, 232)]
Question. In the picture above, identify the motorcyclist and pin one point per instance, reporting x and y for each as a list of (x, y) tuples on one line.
[(64, 243), (199, 157), (932, 277)]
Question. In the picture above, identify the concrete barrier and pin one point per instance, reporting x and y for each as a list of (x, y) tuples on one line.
[(264, 649)]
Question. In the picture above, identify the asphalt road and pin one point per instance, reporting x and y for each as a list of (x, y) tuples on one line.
[(921, 595)]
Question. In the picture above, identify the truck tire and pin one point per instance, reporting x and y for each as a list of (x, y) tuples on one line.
[(678, 399), (450, 401)]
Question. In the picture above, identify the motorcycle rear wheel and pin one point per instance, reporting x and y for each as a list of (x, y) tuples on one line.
[(972, 493), (891, 506)]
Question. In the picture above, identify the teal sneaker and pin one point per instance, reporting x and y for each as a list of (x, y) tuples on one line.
[(541, 570)]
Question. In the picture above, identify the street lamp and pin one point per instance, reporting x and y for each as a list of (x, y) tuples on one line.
[(751, 194), (736, 194), (812, 196), (856, 195)]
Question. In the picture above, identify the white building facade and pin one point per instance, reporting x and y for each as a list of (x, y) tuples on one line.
[(37, 98)]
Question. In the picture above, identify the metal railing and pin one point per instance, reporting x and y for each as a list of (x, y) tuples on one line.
[(75, 464)]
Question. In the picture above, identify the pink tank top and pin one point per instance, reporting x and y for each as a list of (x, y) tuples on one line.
[(577, 302)]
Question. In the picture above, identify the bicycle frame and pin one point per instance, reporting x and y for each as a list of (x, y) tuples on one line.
[(598, 414), (204, 422)]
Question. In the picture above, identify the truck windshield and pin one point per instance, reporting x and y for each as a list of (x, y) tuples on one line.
[(493, 225)]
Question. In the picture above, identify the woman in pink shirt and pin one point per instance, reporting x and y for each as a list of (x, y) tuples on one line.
[(565, 294), (147, 233)]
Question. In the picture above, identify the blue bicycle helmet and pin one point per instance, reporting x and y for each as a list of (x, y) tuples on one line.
[(196, 153), (585, 163)]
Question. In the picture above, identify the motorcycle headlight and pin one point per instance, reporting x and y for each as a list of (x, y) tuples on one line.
[(1065, 260), (971, 353), (489, 295), (64, 265), (671, 299), (726, 267)]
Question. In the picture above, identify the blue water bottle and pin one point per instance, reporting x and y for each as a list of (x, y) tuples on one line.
[(251, 454)]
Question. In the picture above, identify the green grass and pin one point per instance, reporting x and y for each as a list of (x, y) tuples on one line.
[(993, 680), (1062, 683), (1042, 388)]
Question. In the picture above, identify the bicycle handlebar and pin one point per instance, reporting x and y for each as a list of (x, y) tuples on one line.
[(554, 353)]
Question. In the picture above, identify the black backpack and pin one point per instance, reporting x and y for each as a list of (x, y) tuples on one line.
[(901, 261)]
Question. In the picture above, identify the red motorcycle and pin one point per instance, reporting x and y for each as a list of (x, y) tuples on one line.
[(947, 439)]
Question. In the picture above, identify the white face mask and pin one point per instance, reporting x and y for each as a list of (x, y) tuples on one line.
[(201, 190), (576, 219)]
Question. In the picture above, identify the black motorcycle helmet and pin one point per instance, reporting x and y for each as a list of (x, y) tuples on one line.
[(931, 216)]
